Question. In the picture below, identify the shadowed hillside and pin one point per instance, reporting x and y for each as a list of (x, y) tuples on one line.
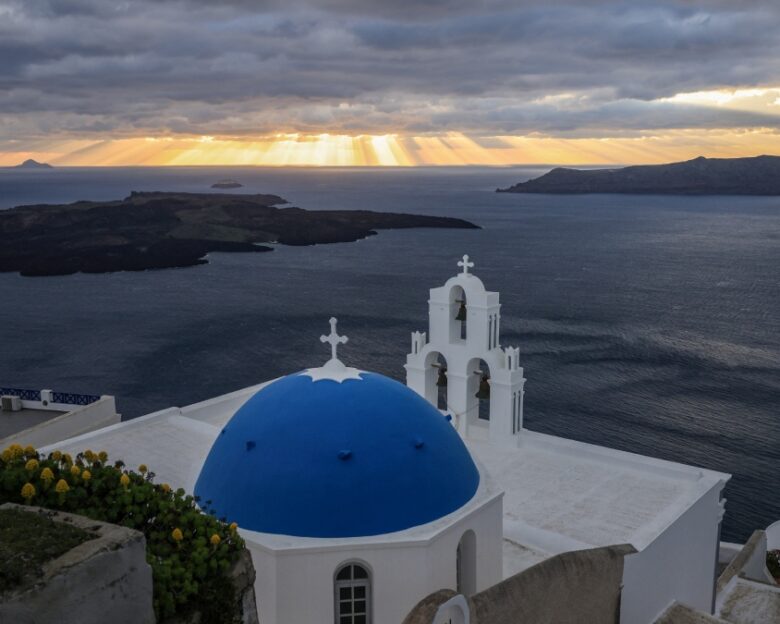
[(701, 176)]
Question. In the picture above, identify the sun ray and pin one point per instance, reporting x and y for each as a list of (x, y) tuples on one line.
[(392, 150)]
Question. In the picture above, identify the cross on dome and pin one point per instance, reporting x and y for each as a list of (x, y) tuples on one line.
[(466, 264), (334, 368), (334, 339)]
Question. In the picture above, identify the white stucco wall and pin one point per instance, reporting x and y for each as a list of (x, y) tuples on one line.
[(773, 536), (403, 571), (679, 565)]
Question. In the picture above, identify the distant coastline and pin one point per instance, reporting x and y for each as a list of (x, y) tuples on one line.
[(32, 164), (163, 230), (226, 184), (759, 175)]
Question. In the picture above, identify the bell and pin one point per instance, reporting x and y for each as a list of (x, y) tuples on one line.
[(461, 315), (441, 382), (484, 388)]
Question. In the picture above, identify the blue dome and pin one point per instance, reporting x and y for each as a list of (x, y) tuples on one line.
[(328, 459)]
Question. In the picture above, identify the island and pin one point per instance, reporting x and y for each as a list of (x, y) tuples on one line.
[(155, 230), (759, 175), (32, 164), (226, 184)]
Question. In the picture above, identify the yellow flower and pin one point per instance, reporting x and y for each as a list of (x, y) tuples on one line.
[(28, 491), (142, 469), (103, 456), (215, 540), (29, 450), (61, 487), (165, 488), (31, 465), (89, 455), (16, 451), (75, 470), (177, 535), (47, 475), (67, 458), (233, 526), (56, 455), (6, 455), (86, 475), (124, 480)]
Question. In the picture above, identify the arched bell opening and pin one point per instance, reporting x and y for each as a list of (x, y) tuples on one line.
[(478, 391), (436, 383), (458, 314)]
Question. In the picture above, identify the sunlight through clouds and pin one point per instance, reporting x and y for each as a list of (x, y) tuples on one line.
[(453, 149), (368, 83), (756, 100)]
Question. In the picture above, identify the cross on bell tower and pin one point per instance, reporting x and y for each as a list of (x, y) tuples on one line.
[(466, 264), (334, 339)]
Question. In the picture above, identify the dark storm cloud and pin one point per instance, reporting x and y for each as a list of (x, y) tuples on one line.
[(247, 67)]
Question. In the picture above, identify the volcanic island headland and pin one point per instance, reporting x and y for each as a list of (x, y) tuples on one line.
[(155, 230)]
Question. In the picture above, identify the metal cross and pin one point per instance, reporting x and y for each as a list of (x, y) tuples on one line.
[(466, 264), (334, 339)]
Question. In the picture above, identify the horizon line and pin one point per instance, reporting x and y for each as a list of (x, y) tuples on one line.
[(373, 166)]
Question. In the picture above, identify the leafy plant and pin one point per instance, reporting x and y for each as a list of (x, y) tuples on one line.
[(189, 551)]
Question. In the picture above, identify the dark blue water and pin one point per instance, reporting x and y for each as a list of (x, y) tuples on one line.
[(649, 324)]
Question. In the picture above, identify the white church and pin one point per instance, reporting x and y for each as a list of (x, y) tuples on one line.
[(359, 496)]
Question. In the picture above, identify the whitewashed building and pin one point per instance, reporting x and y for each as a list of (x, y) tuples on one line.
[(358, 497)]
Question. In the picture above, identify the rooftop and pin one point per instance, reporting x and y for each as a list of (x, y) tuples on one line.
[(47, 415), (175, 442), (14, 422), (560, 494), (565, 495)]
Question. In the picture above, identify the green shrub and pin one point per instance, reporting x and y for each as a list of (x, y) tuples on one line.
[(189, 551)]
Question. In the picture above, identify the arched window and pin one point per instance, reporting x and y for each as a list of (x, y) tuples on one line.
[(353, 594), (466, 564)]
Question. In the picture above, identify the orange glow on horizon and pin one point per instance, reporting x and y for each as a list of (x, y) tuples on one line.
[(400, 151)]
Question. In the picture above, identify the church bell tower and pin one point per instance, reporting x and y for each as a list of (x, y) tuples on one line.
[(459, 365)]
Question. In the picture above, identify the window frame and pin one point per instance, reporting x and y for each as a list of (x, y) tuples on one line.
[(352, 583)]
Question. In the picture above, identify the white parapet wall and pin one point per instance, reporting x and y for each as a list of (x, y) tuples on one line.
[(74, 422), (773, 536), (676, 565)]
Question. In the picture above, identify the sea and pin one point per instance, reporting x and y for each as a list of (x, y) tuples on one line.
[(649, 324)]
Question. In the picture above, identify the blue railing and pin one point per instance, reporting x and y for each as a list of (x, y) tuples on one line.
[(66, 398), (24, 395), (73, 399)]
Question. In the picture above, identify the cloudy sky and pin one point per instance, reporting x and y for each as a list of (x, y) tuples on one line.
[(387, 81)]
